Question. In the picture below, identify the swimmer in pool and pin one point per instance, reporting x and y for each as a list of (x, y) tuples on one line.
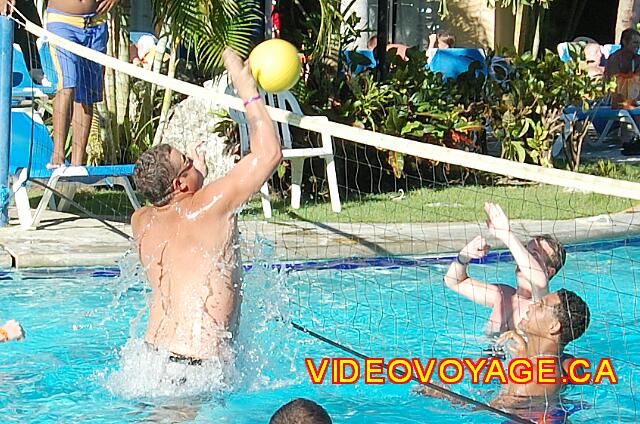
[(547, 327), (536, 264), (187, 238)]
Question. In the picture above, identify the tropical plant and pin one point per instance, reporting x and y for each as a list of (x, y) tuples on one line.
[(527, 113), (207, 27)]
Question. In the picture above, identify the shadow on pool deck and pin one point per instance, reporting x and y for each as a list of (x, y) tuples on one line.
[(67, 240)]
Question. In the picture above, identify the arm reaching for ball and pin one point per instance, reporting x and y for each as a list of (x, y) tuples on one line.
[(248, 175)]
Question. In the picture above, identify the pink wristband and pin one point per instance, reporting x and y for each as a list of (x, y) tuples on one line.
[(251, 100)]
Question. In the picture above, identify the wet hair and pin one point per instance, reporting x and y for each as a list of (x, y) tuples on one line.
[(154, 174), (627, 35), (573, 314), (559, 256), (447, 38), (301, 411)]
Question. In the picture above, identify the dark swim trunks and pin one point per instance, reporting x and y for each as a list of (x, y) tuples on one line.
[(186, 360), (177, 357)]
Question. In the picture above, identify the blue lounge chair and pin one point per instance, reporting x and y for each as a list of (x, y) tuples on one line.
[(23, 86), (603, 113), (46, 61), (455, 61), (31, 148)]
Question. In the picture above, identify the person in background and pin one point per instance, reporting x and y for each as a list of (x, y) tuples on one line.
[(536, 263), (10, 331), (593, 60), (80, 81), (550, 324), (441, 40), (143, 52), (401, 49), (301, 411), (624, 66)]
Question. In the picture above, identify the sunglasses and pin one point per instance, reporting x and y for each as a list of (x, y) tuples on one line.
[(187, 163)]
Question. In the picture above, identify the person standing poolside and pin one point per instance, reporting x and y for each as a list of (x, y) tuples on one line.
[(80, 81), (536, 264), (5, 8), (187, 237)]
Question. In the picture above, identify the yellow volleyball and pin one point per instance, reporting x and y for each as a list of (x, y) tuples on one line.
[(275, 65)]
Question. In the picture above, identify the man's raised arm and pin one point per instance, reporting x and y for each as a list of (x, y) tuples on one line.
[(530, 267), (459, 281), (248, 175)]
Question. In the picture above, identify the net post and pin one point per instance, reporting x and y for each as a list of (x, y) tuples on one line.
[(6, 77)]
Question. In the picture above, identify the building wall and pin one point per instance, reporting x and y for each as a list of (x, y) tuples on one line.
[(141, 16), (472, 23)]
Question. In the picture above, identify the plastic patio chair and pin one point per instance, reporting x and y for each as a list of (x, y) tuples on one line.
[(31, 149), (296, 156)]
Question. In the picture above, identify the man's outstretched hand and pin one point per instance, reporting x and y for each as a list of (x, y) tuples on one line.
[(240, 73), (497, 221), (514, 342)]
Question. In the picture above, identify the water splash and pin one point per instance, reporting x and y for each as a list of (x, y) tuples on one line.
[(265, 336), (255, 361)]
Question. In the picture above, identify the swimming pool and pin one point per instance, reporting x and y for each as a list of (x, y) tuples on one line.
[(70, 368)]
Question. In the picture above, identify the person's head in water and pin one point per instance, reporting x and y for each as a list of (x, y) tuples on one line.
[(301, 411), (562, 316), (162, 171), (549, 252)]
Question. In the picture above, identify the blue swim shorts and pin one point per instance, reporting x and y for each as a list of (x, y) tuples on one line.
[(73, 71)]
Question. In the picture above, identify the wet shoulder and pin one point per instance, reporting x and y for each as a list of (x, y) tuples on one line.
[(139, 219)]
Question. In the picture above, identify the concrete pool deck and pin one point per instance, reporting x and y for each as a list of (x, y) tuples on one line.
[(68, 240)]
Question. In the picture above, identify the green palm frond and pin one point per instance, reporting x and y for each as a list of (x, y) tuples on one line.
[(224, 29), (210, 25), (183, 17)]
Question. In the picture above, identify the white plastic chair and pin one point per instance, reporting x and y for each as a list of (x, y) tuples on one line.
[(287, 101)]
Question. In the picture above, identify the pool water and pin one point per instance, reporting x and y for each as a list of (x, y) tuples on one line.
[(83, 325)]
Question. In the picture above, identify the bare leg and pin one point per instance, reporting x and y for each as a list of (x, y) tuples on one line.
[(82, 117), (61, 118)]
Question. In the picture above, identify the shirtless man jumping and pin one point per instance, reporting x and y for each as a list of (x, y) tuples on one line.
[(187, 238)]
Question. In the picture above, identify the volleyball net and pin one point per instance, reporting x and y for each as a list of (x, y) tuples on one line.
[(367, 261)]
